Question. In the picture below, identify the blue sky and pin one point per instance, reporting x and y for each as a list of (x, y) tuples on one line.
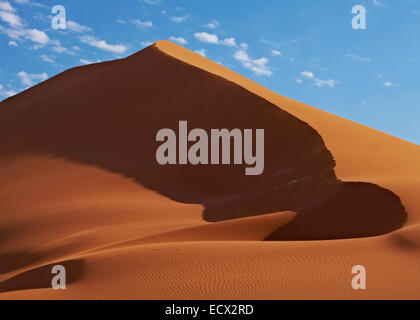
[(304, 49)]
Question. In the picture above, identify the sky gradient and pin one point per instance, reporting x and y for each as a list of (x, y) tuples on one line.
[(306, 50)]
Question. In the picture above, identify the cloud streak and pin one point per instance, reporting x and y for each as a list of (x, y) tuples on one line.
[(258, 66), (214, 39), (102, 44), (28, 79)]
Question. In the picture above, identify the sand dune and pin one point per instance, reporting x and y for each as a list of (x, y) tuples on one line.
[(80, 186)]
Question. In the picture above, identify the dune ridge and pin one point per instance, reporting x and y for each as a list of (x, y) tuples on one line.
[(79, 182)]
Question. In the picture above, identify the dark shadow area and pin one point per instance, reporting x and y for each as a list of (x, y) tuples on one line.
[(16, 260), (108, 115), (351, 210), (407, 240), (41, 277)]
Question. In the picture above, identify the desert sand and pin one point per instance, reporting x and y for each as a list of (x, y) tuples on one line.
[(80, 187)]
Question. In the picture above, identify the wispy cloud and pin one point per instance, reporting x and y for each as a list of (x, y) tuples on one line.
[(258, 66), (317, 81), (275, 52), (6, 92), (16, 29), (357, 58), (179, 19), (85, 61), (214, 39), (389, 84), (37, 36), (76, 27), (201, 52), (146, 43), (180, 40), (47, 58), (6, 6), (11, 18), (213, 24), (142, 24), (379, 3), (28, 79), (326, 83), (31, 3), (102, 44), (60, 49), (307, 74)]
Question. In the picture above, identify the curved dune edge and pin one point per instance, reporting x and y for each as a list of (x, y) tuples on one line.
[(255, 228), (361, 153)]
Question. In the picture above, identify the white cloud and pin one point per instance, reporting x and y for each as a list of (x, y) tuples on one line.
[(102, 44), (214, 39), (37, 36), (29, 79), (5, 6), (76, 48), (6, 93), (61, 49), (75, 27), (201, 52), (230, 42), (244, 46), (307, 74), (180, 40), (13, 44), (31, 3), (317, 81), (142, 24), (12, 19), (389, 84), (46, 58), (322, 83), (206, 37), (357, 58), (258, 66), (298, 80), (179, 19), (146, 43), (213, 24), (85, 61), (379, 4), (276, 53), (17, 30)]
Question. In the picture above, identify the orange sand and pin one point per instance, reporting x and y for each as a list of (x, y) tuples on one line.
[(79, 186)]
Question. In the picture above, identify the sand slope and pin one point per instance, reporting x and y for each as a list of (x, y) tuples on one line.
[(79, 186)]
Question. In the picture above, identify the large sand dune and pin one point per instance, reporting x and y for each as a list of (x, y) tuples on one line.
[(80, 186)]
